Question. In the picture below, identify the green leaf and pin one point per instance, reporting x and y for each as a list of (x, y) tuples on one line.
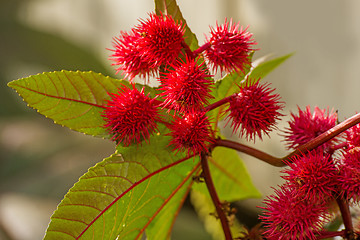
[(231, 179), (264, 68), (170, 7), (120, 196), (206, 211), (161, 227), (72, 99)]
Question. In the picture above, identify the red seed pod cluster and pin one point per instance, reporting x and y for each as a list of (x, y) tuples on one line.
[(327, 174), (154, 42), (314, 182), (156, 46)]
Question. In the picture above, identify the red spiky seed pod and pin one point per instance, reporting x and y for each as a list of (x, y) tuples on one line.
[(349, 178), (191, 133), (186, 86), (288, 217), (313, 175), (352, 137), (128, 56), (254, 110), (161, 39), (306, 126), (229, 46), (131, 116)]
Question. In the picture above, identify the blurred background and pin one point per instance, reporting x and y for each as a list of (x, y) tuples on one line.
[(40, 161)]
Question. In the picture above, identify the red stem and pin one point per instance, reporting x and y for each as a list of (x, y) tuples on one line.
[(202, 48), (188, 51), (326, 136), (346, 216), (280, 162), (219, 103), (250, 151), (215, 198), (325, 234)]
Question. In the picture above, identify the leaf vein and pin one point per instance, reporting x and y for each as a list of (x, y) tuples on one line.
[(52, 81), (58, 97), (91, 90), (58, 231), (92, 191), (168, 198), (109, 176), (131, 189), (68, 219), (78, 204), (69, 80), (227, 173)]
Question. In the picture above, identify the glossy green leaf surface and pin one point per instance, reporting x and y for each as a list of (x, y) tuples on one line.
[(170, 7), (231, 179), (120, 196), (71, 99)]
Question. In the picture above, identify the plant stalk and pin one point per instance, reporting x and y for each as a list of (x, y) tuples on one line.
[(215, 198), (326, 136), (277, 162), (346, 216), (219, 103), (202, 48), (325, 234), (187, 50), (312, 144)]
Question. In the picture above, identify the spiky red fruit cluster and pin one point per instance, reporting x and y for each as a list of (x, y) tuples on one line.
[(306, 126), (314, 181), (254, 110), (131, 115), (291, 218), (229, 46), (154, 42), (299, 208), (187, 86), (157, 46), (191, 132)]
